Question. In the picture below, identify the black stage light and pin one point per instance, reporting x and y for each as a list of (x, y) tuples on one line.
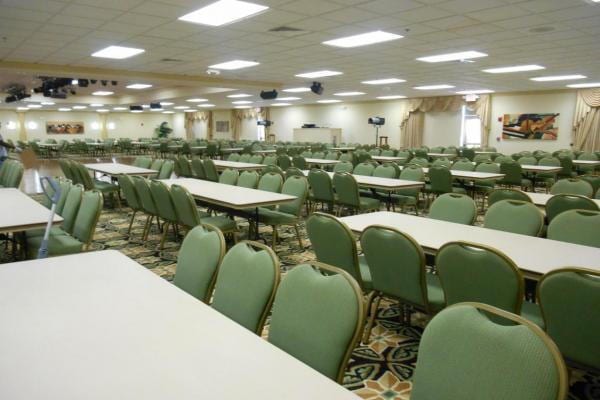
[(377, 121), (114, 83), (83, 82), (316, 88), (10, 99), (155, 106), (264, 122), (136, 108), (93, 81), (271, 95), (104, 82)]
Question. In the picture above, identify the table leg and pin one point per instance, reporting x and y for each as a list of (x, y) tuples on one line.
[(256, 216), (389, 202)]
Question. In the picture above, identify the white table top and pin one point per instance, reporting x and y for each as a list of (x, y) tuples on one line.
[(20, 212), (471, 175), (115, 330), (586, 162), (265, 151), (541, 168), (535, 256), (48, 144), (115, 169), (234, 197), (198, 147), (321, 161), (485, 152), (540, 199), (441, 155), (387, 158), (222, 164), (376, 182), (231, 149), (343, 148)]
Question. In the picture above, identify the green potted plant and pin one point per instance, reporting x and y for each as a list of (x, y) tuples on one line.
[(163, 130)]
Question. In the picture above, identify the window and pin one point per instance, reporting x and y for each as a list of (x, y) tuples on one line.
[(470, 129), (261, 133)]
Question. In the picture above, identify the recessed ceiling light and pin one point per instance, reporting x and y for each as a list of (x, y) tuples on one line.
[(180, 107), (318, 74), (120, 108), (288, 98), (223, 12), (206, 105), (476, 91), (103, 110), (281, 104), (349, 94), (558, 78), (241, 102), (82, 107), (196, 100), (391, 97), (139, 86), (386, 81), (433, 87), (363, 39), (242, 107), (516, 68), (584, 85), (297, 90), (64, 109), (136, 111), (34, 106), (239, 95), (168, 112), (47, 103), (96, 105), (166, 103), (328, 101), (117, 52), (190, 110), (156, 109), (463, 55), (22, 108), (235, 64), (145, 105), (102, 93)]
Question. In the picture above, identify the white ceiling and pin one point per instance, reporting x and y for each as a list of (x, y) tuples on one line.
[(66, 32)]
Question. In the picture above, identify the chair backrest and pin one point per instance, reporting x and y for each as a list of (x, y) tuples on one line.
[(515, 216), (442, 162), (13, 175), (321, 185), (184, 166), (84, 175), (248, 179), (71, 208), (163, 201), (333, 155), (293, 171), (294, 186), (473, 272), (142, 162), (157, 164), (65, 187), (271, 182), (488, 353), (229, 177), (549, 161), (569, 299), (320, 228), (284, 162), (142, 187), (387, 170), (576, 226), (273, 168), (364, 168), (347, 189), (420, 161), (198, 261), (270, 160), (233, 157), (210, 169), (454, 207), (185, 207), (463, 165), (245, 157), (412, 173), (299, 162), (564, 202), (440, 179), (166, 170), (343, 166), (527, 160), (480, 158), (318, 317), (131, 197), (87, 216), (256, 159), (572, 186), (497, 195), (397, 264), (198, 168), (246, 284)]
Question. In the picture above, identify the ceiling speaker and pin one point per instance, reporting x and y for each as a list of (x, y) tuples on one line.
[(136, 108), (271, 95), (155, 106), (316, 88)]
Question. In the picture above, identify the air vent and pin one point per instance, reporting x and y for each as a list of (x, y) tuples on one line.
[(285, 29), (174, 60)]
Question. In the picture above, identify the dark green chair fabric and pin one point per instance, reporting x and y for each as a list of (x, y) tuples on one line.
[(246, 283), (318, 318), (273, 168), (322, 189), (572, 186), (321, 228), (513, 175), (131, 197), (248, 179), (348, 194), (166, 170), (142, 162), (211, 170), (198, 261), (397, 266), (454, 207), (165, 209), (409, 197), (271, 182), (500, 194), (564, 202), (569, 300), (284, 162), (515, 216), (142, 188), (364, 168), (293, 171), (343, 166), (233, 157), (69, 212), (464, 354), (576, 226), (198, 168), (229, 177), (440, 179), (463, 165)]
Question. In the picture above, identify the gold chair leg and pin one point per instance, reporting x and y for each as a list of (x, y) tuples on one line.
[(131, 223), (274, 237), (164, 235), (298, 235), (367, 335)]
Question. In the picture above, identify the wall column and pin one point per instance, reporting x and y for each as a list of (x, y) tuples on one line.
[(103, 117), (22, 127)]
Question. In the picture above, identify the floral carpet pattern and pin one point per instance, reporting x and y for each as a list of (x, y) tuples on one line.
[(379, 370)]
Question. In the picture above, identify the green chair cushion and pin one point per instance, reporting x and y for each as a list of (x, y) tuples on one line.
[(367, 203), (105, 186), (532, 312), (365, 273), (224, 224), (273, 217), (54, 231), (57, 245), (435, 293)]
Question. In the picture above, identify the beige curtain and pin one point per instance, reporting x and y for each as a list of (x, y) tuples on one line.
[(250, 113), (586, 124), (209, 126), (411, 127), (191, 119)]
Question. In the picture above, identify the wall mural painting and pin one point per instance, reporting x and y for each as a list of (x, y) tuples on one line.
[(65, 127), (530, 126)]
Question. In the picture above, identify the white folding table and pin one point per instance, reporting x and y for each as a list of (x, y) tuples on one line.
[(99, 326), (534, 256), (540, 199), (383, 159), (116, 169), (21, 213), (242, 166), (321, 161)]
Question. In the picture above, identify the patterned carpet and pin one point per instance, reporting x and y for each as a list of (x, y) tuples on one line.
[(380, 370)]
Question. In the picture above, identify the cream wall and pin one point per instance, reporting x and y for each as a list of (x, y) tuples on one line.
[(550, 102), (222, 115), (442, 129)]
